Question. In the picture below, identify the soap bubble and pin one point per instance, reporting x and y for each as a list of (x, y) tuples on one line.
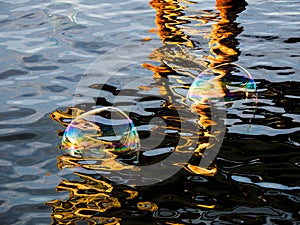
[(100, 133), (226, 82)]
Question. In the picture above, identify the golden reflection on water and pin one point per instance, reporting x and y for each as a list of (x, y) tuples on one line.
[(169, 15), (64, 117), (88, 199), (109, 164), (93, 197), (223, 42)]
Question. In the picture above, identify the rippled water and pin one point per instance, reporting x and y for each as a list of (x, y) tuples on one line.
[(48, 50)]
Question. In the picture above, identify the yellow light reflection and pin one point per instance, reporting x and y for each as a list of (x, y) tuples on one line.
[(170, 223), (149, 206), (94, 164), (64, 117), (132, 194), (223, 43), (201, 171), (206, 206), (88, 199), (168, 18)]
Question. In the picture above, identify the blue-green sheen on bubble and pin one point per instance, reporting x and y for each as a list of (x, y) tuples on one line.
[(99, 133), (226, 82)]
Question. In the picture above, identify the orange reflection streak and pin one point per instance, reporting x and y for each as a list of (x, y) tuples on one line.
[(223, 47), (132, 194), (150, 206), (206, 206), (223, 43), (60, 116), (170, 21), (168, 17), (94, 164), (170, 223), (200, 170)]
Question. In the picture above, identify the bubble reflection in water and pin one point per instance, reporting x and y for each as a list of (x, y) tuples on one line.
[(226, 82), (99, 133)]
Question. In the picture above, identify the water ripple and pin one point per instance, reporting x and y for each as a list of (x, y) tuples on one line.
[(46, 49)]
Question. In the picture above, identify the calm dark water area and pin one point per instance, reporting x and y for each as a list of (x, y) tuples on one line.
[(60, 58)]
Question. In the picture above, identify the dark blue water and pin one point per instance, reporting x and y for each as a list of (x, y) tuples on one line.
[(57, 54)]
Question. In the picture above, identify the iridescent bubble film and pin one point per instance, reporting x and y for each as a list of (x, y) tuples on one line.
[(226, 82), (99, 133)]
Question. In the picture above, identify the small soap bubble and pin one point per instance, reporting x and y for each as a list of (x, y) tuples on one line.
[(99, 133), (226, 82)]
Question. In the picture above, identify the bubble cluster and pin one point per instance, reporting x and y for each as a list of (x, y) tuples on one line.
[(226, 82), (99, 133)]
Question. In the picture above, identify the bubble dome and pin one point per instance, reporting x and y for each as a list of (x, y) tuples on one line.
[(99, 133), (226, 82)]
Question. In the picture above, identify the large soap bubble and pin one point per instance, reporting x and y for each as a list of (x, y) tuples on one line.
[(99, 133), (226, 82)]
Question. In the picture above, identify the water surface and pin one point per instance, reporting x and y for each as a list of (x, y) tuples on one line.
[(47, 49)]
